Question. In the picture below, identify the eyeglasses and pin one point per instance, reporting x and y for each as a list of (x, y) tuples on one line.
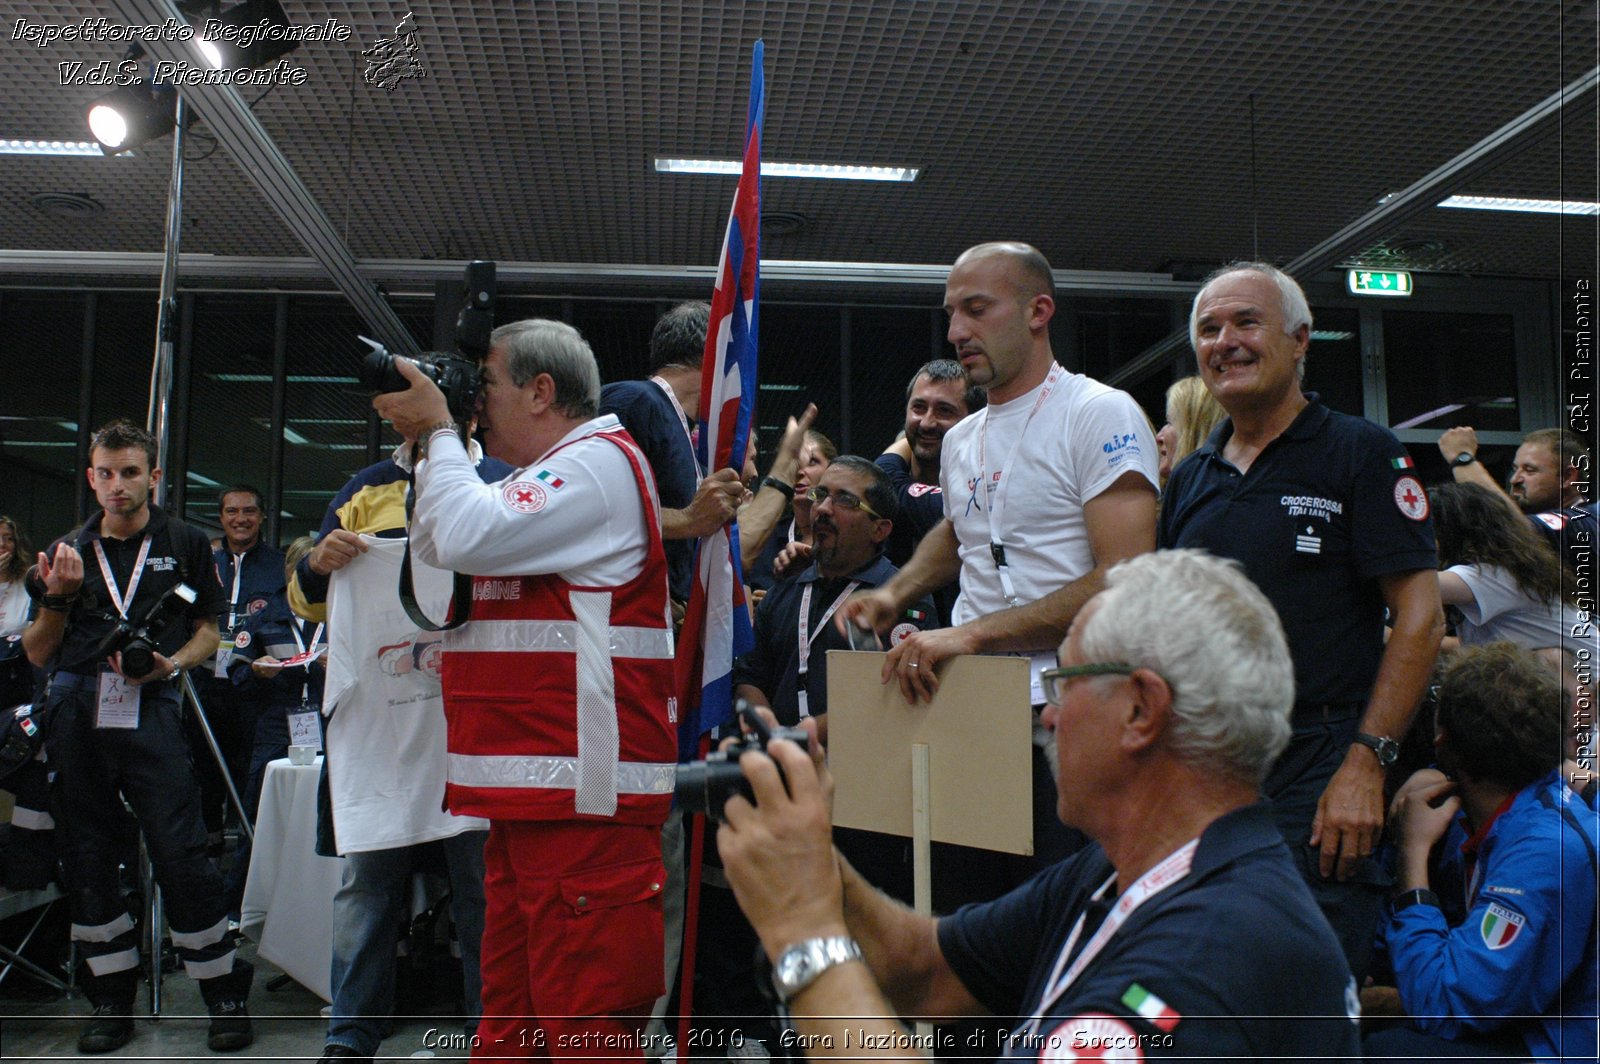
[(841, 499), (1055, 681)]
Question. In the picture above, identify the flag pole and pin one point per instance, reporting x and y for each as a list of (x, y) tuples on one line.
[(717, 624)]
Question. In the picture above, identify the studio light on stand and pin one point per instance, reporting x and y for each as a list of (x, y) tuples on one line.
[(128, 117), (252, 34)]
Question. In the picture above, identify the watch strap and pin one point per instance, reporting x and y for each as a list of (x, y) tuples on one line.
[(1465, 458), (1419, 896), (774, 482), (803, 963), (1387, 750)]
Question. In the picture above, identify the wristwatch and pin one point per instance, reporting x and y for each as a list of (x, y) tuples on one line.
[(1388, 750), (802, 963), (1420, 896), (774, 482), (1464, 458)]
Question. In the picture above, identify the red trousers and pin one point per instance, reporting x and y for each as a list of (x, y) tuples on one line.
[(571, 939)]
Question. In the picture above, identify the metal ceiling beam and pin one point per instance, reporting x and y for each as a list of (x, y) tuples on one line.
[(235, 126), (562, 275), (1515, 136)]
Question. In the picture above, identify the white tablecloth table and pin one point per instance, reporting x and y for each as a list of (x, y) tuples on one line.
[(288, 895)]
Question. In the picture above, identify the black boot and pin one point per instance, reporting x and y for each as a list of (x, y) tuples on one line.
[(108, 1029), (225, 996)]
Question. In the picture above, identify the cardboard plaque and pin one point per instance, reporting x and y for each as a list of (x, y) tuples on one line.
[(979, 732)]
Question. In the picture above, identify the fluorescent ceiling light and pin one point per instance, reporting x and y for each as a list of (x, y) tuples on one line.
[(1318, 334), (783, 387), (769, 169), (1527, 206), (205, 482), (49, 147)]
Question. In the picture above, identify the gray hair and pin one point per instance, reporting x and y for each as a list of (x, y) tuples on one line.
[(538, 345), (679, 337), (1200, 623), (1291, 299)]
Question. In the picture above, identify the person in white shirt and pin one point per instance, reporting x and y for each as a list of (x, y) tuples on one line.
[(1045, 489)]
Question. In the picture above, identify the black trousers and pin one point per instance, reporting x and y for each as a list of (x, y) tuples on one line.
[(1294, 785), (95, 768)]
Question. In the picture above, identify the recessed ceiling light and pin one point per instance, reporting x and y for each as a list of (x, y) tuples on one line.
[(835, 172), (1527, 206), (49, 147)]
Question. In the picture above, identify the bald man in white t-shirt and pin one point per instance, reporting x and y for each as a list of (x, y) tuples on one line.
[(1045, 489)]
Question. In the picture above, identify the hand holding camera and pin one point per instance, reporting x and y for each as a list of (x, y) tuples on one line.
[(416, 408)]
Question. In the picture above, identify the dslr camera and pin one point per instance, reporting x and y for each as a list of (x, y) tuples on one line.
[(459, 377), (705, 786), (136, 637)]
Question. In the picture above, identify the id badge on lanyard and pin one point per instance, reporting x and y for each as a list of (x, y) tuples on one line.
[(117, 700), (807, 636), (117, 704), (304, 728)]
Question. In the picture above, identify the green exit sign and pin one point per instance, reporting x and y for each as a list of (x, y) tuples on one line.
[(1380, 282)]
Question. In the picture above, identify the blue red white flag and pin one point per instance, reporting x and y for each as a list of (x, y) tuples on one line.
[(716, 627)]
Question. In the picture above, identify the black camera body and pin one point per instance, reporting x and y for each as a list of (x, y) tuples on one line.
[(136, 637), (459, 377), (705, 786)]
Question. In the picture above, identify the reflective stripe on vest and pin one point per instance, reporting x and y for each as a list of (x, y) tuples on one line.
[(557, 773), (519, 637)]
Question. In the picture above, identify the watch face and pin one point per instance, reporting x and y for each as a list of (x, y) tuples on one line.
[(792, 966)]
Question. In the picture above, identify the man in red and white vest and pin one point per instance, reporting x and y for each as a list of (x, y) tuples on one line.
[(557, 691)]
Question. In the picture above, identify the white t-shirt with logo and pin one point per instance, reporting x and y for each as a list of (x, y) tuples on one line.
[(386, 733), (1083, 436)]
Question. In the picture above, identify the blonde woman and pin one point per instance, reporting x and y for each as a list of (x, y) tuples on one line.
[(1191, 415)]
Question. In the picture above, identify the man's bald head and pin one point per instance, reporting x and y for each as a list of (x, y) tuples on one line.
[(1029, 270)]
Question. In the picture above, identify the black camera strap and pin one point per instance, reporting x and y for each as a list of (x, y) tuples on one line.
[(461, 590)]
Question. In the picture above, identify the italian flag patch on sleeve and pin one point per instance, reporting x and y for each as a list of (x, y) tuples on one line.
[(550, 479), (1501, 926), (1403, 462), (1151, 1007)]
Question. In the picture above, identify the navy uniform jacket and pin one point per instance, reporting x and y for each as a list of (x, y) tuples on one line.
[(179, 554), (1325, 509), (268, 634), (774, 664), (1525, 955), (1231, 962), (648, 415), (260, 577)]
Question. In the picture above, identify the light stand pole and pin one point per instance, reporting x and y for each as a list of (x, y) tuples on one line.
[(159, 422)]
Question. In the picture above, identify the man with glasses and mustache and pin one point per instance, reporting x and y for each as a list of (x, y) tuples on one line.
[(853, 511), (1170, 936), (853, 514)]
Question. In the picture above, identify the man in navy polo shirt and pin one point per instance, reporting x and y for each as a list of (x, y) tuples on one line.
[(1328, 518), (1550, 477), (937, 398), (1185, 930)]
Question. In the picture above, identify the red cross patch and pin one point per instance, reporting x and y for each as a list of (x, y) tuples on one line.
[(524, 496), (1092, 1036), (1411, 499)]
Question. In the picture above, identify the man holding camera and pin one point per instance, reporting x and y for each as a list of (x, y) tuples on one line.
[(1168, 937), (557, 691), (118, 729)]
